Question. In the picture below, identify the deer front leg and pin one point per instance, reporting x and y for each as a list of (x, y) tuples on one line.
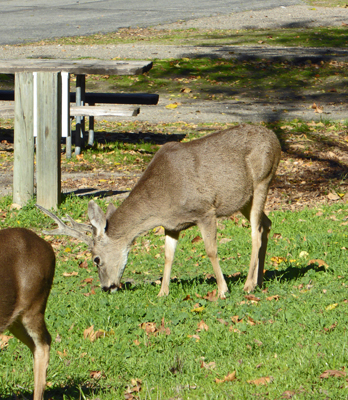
[(169, 250), (208, 230)]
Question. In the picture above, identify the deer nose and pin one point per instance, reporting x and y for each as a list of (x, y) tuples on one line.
[(96, 261)]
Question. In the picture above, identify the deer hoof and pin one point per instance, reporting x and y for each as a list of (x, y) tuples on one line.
[(163, 293), (249, 287)]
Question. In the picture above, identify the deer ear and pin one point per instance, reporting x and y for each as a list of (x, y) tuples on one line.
[(96, 217), (110, 210)]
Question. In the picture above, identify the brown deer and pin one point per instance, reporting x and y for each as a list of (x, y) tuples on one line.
[(188, 184), (27, 265)]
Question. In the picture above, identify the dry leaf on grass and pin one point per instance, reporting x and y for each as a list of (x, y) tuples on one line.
[(235, 319), (196, 239), (321, 263), (97, 374), (334, 373), (67, 274), (90, 334), (135, 387), (198, 309), (252, 298), (151, 328), (331, 328), (211, 296), (194, 337), (4, 339), (228, 378), (202, 326), (275, 297), (210, 365), (288, 394), (261, 381)]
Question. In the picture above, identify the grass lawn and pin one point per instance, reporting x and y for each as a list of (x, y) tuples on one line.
[(287, 340), (277, 343)]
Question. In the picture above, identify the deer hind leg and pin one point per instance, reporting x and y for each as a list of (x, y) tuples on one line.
[(33, 333), (169, 250), (260, 228), (208, 230)]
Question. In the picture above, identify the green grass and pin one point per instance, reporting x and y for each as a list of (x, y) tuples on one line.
[(307, 37), (292, 340), (216, 79)]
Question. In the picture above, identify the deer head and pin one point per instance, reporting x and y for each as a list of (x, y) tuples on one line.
[(109, 254)]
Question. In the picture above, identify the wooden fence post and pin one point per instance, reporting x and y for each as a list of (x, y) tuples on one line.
[(23, 166), (48, 147)]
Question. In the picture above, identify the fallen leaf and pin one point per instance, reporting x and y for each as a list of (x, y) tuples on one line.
[(88, 331), (173, 105), (275, 297), (149, 327), (251, 297), (211, 296), (202, 326), (334, 373), (333, 196), (278, 260), (4, 339), (194, 337), (228, 378), (210, 365), (67, 274), (198, 309), (288, 394), (321, 263), (261, 381), (62, 354), (96, 374), (163, 329), (331, 307), (235, 319), (84, 265), (222, 321), (186, 90), (196, 239), (331, 328)]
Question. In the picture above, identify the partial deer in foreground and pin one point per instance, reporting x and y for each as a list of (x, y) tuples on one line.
[(188, 184), (27, 266)]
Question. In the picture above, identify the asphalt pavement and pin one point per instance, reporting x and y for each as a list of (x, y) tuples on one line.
[(31, 20)]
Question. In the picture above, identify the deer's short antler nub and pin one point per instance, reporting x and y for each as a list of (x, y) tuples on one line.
[(77, 230)]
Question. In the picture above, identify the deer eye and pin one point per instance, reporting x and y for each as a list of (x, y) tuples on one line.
[(96, 261)]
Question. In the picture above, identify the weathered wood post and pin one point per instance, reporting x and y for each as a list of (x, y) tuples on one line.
[(48, 147), (23, 165)]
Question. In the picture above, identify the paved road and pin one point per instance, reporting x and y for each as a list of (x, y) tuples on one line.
[(32, 20)]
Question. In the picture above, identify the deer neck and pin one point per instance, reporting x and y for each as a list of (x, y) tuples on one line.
[(135, 216)]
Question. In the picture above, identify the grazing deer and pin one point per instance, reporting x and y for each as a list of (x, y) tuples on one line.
[(27, 266), (188, 184)]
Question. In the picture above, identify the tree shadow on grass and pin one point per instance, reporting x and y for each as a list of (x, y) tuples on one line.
[(291, 273), (74, 390)]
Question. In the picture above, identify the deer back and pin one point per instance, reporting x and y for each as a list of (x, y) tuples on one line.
[(185, 180)]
